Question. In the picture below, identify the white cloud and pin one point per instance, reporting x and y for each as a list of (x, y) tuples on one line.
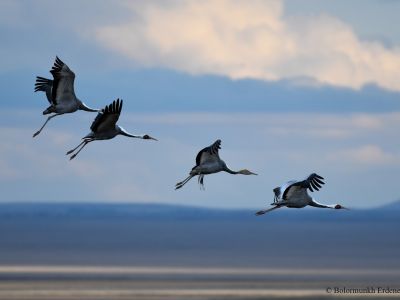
[(250, 39), (128, 191), (306, 125), (369, 121), (366, 155)]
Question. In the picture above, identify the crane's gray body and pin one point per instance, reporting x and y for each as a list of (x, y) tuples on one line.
[(60, 92), (294, 194), (104, 127), (209, 162)]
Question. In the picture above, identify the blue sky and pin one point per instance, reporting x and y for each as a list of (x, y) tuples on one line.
[(291, 87)]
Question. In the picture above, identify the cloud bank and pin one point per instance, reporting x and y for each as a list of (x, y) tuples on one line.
[(250, 39)]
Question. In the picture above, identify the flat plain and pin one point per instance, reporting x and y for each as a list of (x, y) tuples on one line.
[(151, 252)]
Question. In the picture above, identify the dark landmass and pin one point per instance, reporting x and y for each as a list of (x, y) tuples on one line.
[(169, 235)]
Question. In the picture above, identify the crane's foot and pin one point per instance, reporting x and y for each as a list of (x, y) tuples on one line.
[(72, 157), (36, 133), (179, 185), (69, 152)]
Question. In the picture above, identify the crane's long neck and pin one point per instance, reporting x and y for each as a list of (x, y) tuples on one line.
[(125, 133), (83, 106), (316, 204), (226, 169)]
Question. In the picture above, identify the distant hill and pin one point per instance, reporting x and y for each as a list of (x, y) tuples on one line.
[(391, 206), (181, 212), (157, 234)]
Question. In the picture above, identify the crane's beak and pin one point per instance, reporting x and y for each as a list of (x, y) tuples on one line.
[(151, 138)]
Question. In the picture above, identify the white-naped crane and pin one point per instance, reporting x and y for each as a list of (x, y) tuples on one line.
[(60, 92), (294, 194), (104, 127), (209, 162)]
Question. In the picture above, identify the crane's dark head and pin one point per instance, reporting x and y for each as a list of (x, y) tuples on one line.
[(246, 172), (147, 137), (338, 206)]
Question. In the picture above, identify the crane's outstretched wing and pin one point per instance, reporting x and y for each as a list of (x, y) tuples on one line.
[(108, 117), (45, 85), (209, 153), (63, 84), (313, 182), (278, 191)]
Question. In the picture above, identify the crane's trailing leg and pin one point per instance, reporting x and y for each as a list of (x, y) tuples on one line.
[(84, 144), (182, 183), (261, 212), (201, 182), (70, 151), (48, 119)]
